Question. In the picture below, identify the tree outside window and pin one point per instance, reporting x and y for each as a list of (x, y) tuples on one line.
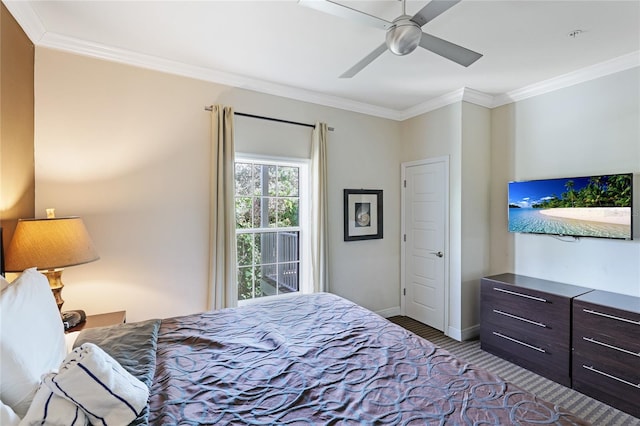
[(267, 204)]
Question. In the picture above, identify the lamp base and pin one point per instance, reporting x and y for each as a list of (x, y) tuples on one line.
[(55, 282)]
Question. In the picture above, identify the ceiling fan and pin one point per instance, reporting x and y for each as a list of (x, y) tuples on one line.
[(404, 34)]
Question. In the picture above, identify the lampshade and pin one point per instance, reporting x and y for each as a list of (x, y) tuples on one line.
[(404, 36), (49, 244)]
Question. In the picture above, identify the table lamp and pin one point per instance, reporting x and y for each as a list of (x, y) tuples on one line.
[(50, 245)]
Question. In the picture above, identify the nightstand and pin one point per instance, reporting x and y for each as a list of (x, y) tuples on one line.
[(101, 320)]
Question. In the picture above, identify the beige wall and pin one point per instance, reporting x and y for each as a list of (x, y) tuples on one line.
[(17, 182), (437, 134), (475, 209), (128, 150), (589, 128), (460, 131), (502, 171)]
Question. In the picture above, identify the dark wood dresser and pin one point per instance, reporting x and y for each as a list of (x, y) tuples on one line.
[(606, 349), (527, 321)]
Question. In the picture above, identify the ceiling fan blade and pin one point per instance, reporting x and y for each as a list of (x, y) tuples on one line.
[(451, 51), (433, 9), (365, 61), (342, 11)]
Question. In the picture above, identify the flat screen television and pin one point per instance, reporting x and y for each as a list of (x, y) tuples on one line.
[(591, 206)]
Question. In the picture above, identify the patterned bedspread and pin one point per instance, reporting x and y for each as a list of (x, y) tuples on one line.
[(320, 359)]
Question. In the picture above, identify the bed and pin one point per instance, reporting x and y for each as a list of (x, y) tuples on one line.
[(308, 359)]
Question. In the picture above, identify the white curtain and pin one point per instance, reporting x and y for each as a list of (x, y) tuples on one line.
[(319, 210), (223, 289)]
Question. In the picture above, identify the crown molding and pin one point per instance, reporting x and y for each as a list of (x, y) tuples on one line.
[(463, 94), (33, 27), (621, 63), (100, 51), (82, 47), (432, 104), (477, 97), (27, 18)]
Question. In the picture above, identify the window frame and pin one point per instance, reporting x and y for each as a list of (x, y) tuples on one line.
[(305, 284)]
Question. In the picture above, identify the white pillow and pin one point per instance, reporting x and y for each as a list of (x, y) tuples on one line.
[(32, 341), (70, 340), (7, 416), (3, 283)]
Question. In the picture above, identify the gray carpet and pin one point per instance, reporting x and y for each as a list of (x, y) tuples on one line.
[(593, 411)]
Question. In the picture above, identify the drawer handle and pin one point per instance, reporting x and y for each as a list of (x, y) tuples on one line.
[(602, 314), (539, 299), (506, 314), (597, 342), (595, 370), (519, 342)]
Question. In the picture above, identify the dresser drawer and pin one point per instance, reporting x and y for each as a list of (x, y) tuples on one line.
[(550, 340), (539, 357), (608, 378), (606, 349), (534, 308), (607, 326), (618, 366), (527, 328), (528, 321)]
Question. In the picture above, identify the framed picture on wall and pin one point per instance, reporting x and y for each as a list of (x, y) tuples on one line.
[(362, 214)]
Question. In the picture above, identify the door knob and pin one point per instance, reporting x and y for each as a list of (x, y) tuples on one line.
[(439, 254)]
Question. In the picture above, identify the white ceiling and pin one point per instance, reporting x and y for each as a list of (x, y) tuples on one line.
[(284, 48)]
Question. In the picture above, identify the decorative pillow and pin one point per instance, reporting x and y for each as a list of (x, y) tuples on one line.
[(134, 346), (99, 385), (32, 341), (50, 409), (7, 416)]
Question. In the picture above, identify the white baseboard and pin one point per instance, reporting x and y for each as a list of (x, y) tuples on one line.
[(466, 334), (390, 312)]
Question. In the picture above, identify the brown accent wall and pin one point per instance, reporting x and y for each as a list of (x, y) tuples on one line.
[(17, 171)]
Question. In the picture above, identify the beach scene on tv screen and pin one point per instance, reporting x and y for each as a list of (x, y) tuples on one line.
[(595, 206)]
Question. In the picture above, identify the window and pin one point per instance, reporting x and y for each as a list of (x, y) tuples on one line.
[(271, 212)]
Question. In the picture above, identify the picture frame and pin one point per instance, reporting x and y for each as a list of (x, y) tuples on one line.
[(363, 214)]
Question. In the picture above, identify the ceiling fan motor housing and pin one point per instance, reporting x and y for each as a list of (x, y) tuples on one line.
[(403, 36)]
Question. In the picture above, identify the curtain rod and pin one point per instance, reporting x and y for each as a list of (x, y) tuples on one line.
[(261, 117)]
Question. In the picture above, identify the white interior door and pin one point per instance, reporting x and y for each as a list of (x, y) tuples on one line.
[(424, 256)]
